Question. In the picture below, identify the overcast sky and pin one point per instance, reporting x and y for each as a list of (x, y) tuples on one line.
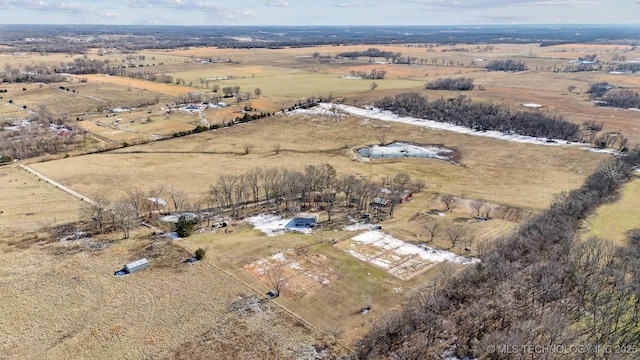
[(319, 12)]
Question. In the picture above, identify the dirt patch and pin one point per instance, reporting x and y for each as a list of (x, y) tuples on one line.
[(304, 272)]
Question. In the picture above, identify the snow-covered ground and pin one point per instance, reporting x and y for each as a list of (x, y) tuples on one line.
[(388, 242), (532, 105), (273, 225), (399, 149), (378, 114)]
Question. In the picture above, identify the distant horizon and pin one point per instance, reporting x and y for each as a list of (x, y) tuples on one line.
[(328, 25), (318, 13)]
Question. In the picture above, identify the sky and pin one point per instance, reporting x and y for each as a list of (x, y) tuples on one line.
[(319, 12)]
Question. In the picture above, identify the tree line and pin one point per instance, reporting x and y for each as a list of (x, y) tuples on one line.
[(618, 98), (302, 189), (539, 286), (370, 53), (373, 74), (315, 185), (482, 116), (506, 65), (457, 84)]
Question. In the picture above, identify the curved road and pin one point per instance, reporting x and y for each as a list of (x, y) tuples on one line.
[(58, 185)]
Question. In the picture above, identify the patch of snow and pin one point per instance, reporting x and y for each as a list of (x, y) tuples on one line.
[(173, 236), (532, 105), (400, 149), (378, 114), (157, 201), (399, 247), (279, 257), (274, 225), (358, 227), (350, 77)]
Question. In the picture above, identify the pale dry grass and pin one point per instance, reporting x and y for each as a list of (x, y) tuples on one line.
[(353, 283), (28, 203), (497, 171), (62, 301), (165, 89), (613, 221)]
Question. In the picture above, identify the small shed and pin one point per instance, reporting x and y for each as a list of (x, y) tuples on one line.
[(305, 220), (137, 265)]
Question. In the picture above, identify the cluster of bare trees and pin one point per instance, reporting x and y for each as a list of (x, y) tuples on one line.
[(458, 84), (623, 98), (539, 286), (371, 53), (506, 65), (482, 116), (317, 184), (104, 215), (598, 89), (373, 74), (30, 73), (625, 67)]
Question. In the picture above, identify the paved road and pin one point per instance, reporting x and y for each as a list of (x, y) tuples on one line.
[(58, 185)]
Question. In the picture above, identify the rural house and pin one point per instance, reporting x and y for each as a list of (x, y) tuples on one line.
[(305, 220)]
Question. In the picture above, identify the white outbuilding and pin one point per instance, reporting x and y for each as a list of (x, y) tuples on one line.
[(137, 265)]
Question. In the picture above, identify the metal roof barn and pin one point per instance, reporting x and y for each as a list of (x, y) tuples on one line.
[(137, 265)]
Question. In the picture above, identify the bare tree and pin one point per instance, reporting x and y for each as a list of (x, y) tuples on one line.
[(374, 85), (276, 148), (270, 183), (382, 139), (97, 212), (449, 201), (179, 199), (570, 88), (155, 198), (477, 205), (455, 233), (418, 185), (125, 216), (136, 196), (252, 179), (247, 147), (401, 181), (433, 228), (275, 278), (257, 92), (488, 210)]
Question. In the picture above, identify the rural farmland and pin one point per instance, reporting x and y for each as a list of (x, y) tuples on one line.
[(173, 202)]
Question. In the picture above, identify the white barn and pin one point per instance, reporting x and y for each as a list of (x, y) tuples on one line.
[(137, 265)]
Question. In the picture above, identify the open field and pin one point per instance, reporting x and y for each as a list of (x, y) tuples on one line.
[(28, 204), (612, 221), (62, 298), (501, 178)]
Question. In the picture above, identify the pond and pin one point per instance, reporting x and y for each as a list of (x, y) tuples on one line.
[(400, 149)]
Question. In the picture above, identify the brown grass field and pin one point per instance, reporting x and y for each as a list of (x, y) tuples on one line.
[(613, 221), (29, 204), (60, 299)]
